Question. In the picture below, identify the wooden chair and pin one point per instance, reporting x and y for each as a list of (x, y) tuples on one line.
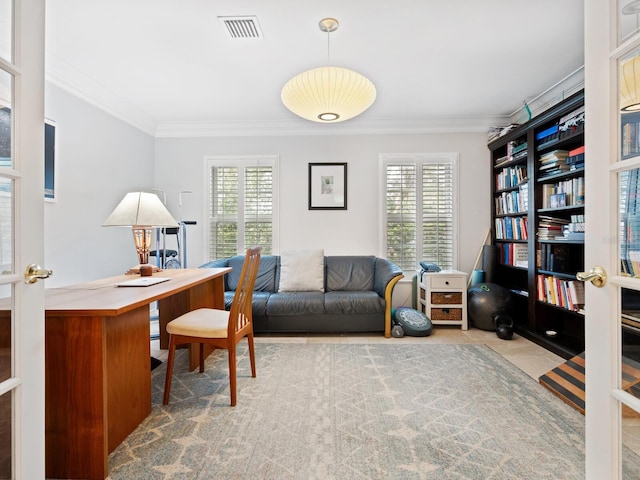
[(219, 328)]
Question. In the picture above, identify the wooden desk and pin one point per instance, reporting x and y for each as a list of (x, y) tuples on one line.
[(97, 354)]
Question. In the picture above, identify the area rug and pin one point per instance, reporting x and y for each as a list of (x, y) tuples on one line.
[(374, 411)]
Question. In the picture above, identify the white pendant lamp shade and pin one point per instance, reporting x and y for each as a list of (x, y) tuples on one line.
[(630, 84), (328, 94)]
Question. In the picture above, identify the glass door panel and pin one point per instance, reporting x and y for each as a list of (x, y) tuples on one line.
[(6, 30), (628, 19)]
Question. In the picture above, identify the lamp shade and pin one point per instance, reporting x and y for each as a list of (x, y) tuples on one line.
[(140, 209), (630, 84), (328, 94)]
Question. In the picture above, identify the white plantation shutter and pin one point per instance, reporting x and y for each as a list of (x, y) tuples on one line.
[(401, 215), (258, 211), (224, 212), (420, 211), (437, 213), (242, 205)]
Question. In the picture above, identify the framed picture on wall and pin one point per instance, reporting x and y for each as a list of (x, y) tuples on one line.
[(327, 186)]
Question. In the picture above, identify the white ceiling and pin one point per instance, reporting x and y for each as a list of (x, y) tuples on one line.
[(170, 64)]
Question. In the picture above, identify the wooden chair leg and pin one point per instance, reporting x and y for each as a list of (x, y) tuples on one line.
[(167, 380), (232, 374), (201, 357), (252, 354)]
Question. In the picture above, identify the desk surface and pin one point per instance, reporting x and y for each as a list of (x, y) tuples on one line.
[(104, 297)]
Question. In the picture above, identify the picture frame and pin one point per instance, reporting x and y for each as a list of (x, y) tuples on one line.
[(327, 186), (49, 160)]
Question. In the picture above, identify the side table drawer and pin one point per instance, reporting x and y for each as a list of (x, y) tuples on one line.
[(446, 298), (436, 282)]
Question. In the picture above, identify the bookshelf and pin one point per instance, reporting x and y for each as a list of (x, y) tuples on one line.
[(537, 179)]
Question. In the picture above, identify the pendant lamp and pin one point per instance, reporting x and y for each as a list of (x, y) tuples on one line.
[(328, 94), (630, 84)]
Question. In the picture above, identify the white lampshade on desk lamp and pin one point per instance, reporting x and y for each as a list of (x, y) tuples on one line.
[(142, 212)]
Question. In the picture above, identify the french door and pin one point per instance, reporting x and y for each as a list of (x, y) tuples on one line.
[(612, 209), (21, 238)]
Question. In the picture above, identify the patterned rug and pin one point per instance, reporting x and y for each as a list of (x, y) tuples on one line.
[(338, 411)]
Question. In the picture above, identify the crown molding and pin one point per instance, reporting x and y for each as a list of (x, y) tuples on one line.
[(357, 126), (68, 78)]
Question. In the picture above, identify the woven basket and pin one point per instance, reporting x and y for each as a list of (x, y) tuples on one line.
[(446, 314), (452, 298)]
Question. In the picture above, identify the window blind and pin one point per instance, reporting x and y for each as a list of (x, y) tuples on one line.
[(420, 210), (242, 205)]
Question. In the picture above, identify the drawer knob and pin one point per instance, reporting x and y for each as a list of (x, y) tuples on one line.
[(446, 282)]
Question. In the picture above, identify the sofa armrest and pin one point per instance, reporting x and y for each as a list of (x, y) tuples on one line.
[(387, 274), (219, 263)]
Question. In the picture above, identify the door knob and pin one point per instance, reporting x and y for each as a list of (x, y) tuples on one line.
[(34, 272), (597, 276)]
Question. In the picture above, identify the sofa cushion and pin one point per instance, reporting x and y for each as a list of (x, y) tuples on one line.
[(302, 271), (295, 303), (350, 273), (353, 302), (266, 279)]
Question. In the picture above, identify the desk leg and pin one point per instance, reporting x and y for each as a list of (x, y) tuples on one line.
[(205, 295), (97, 389)]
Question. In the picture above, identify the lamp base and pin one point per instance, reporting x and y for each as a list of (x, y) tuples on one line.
[(136, 270)]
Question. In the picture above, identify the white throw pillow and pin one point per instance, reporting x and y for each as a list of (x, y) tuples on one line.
[(302, 271)]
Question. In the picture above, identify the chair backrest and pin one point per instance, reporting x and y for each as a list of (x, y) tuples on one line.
[(240, 314)]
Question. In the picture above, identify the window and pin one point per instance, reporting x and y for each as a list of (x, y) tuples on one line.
[(420, 214), (242, 204)]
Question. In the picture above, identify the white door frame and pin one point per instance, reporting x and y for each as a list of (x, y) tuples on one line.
[(28, 340)]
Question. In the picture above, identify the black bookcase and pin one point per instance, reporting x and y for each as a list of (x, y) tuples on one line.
[(537, 195)]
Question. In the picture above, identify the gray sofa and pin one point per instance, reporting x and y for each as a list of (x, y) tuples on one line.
[(356, 296)]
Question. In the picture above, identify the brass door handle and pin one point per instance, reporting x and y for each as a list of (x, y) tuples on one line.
[(597, 276), (34, 272)]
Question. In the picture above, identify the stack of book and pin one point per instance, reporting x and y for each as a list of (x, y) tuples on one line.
[(572, 121), (550, 228), (516, 151), (575, 160), (553, 162), (547, 136), (575, 229)]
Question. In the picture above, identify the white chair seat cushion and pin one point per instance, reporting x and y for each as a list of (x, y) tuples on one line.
[(203, 322)]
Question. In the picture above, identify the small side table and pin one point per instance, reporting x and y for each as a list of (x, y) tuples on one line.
[(442, 297)]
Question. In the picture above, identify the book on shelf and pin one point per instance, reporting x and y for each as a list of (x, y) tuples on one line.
[(511, 177), (568, 294), (511, 228), (514, 254), (563, 194)]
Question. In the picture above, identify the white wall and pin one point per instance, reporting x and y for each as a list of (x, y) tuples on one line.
[(98, 159), (180, 165)]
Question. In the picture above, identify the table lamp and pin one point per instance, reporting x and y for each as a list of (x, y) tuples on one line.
[(142, 212)]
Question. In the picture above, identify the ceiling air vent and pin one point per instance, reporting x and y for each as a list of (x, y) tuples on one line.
[(242, 27)]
